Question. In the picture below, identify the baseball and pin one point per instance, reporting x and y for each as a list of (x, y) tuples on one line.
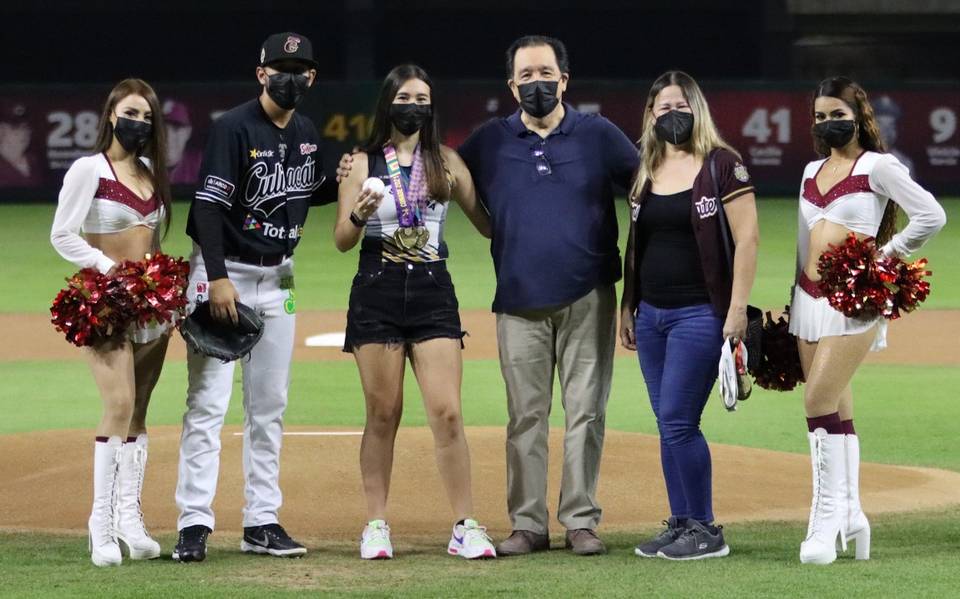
[(373, 184)]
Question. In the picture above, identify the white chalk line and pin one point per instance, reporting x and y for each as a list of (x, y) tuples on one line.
[(317, 434)]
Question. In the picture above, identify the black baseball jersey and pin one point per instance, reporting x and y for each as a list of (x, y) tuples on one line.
[(262, 176)]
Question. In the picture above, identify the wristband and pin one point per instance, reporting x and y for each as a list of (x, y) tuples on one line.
[(357, 221)]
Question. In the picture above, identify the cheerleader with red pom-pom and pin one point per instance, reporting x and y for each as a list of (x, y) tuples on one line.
[(856, 188), (110, 210)]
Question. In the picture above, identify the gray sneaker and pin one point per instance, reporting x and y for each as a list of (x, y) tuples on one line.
[(696, 542), (669, 535)]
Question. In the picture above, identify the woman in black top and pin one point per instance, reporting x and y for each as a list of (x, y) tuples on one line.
[(680, 301)]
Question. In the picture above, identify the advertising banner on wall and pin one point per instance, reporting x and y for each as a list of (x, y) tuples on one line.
[(43, 129)]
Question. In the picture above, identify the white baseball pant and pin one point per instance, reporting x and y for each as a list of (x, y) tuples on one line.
[(266, 377)]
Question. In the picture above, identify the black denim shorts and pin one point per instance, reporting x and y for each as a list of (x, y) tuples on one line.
[(401, 304)]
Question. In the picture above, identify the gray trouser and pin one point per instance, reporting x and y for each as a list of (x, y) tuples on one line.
[(579, 340)]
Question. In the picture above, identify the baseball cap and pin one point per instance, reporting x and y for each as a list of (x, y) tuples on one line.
[(287, 46)]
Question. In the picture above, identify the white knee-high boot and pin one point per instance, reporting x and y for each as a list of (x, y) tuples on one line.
[(828, 510), (858, 527), (130, 528), (104, 550)]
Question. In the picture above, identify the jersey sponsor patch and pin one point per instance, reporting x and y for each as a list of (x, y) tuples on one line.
[(250, 223), (740, 172), (218, 186), (706, 207), (307, 149), (254, 153)]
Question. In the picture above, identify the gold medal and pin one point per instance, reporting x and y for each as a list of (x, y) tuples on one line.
[(423, 236), (406, 237)]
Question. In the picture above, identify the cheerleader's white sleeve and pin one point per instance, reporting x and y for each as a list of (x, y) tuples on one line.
[(892, 179), (79, 186)]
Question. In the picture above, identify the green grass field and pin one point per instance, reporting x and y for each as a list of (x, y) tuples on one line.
[(905, 416)]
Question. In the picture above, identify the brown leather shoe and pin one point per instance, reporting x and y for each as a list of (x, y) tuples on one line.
[(584, 541), (522, 542)]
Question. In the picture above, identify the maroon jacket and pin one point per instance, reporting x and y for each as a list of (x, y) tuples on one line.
[(734, 181)]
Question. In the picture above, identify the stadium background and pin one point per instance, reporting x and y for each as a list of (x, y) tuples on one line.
[(757, 61)]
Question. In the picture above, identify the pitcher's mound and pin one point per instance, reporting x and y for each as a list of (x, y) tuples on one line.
[(47, 483)]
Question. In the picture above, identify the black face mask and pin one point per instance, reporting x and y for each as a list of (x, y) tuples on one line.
[(538, 98), (835, 134), (287, 89), (674, 127), (410, 118), (132, 135)]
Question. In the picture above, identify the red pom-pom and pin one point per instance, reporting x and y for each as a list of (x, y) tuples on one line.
[(909, 289), (861, 283), (779, 368), (93, 307), (156, 286), (854, 281)]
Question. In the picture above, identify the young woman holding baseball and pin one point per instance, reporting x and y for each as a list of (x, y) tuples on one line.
[(402, 303), (110, 209), (681, 297), (848, 190)]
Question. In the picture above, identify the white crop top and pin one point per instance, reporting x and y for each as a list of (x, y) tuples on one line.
[(858, 201), (93, 200)]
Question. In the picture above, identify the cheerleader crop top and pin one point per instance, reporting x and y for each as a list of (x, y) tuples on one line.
[(858, 201), (93, 200)]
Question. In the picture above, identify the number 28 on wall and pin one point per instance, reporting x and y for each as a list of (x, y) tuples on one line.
[(72, 130), (758, 126)]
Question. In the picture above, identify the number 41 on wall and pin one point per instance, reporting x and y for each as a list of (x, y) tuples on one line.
[(758, 125)]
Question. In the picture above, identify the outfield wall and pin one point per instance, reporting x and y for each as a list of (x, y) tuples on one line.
[(44, 128)]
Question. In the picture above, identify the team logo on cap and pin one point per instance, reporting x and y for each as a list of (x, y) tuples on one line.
[(263, 55), (292, 44)]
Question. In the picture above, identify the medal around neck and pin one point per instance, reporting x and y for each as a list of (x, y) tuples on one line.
[(410, 199)]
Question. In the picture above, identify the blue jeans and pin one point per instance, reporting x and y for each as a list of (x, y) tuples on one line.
[(679, 350)]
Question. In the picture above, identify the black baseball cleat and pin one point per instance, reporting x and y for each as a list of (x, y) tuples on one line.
[(270, 539), (192, 544), (698, 541)]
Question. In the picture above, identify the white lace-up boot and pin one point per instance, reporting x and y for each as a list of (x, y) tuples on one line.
[(130, 528), (104, 550), (828, 510)]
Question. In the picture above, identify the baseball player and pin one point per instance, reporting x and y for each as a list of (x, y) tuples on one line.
[(261, 167)]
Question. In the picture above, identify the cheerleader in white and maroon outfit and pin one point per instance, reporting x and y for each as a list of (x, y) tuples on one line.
[(855, 188), (110, 209)]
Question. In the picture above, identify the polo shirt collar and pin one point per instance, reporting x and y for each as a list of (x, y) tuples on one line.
[(570, 116)]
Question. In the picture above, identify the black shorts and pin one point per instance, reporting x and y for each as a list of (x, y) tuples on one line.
[(401, 304)]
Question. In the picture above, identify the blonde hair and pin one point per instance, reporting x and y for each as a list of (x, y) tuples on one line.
[(703, 140)]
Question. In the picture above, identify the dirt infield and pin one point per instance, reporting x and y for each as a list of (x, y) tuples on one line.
[(925, 337), (47, 483), (47, 474)]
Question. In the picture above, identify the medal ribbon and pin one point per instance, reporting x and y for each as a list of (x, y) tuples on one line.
[(408, 198)]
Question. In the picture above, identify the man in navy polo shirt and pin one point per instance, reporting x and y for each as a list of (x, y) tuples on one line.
[(547, 175)]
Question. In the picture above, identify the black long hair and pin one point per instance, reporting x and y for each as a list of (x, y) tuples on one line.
[(868, 135), (155, 149), (436, 175)]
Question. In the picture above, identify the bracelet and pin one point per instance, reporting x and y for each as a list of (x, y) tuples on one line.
[(357, 221)]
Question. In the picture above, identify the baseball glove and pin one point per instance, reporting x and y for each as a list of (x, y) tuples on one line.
[(206, 335)]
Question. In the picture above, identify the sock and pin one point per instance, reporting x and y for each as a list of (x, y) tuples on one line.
[(848, 427), (828, 422), (102, 439), (460, 523), (131, 440)]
